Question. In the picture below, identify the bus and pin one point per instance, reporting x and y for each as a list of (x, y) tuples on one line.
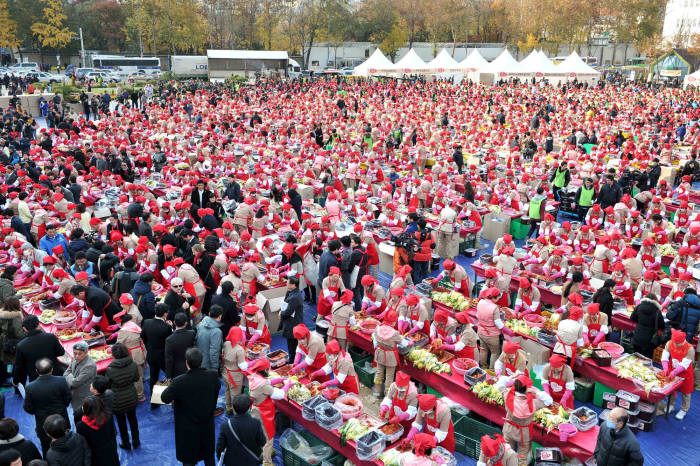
[(126, 65)]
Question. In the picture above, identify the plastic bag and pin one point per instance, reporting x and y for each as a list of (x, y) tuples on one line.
[(293, 441)]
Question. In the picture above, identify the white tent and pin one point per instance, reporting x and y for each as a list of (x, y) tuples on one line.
[(692, 79), (442, 63), (537, 64), (574, 67), (503, 66), (474, 62), (410, 63), (376, 61)]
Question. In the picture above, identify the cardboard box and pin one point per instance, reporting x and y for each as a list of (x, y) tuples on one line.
[(305, 191), (536, 353), (386, 257), (495, 226), (270, 301), (156, 393), (669, 174)]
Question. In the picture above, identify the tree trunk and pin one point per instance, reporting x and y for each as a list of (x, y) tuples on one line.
[(612, 61)]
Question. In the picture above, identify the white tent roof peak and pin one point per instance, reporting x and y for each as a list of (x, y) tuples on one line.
[(473, 62), (410, 62), (443, 61), (573, 65), (504, 63), (376, 61)]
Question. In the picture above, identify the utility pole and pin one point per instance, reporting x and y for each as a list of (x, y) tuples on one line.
[(140, 36), (82, 47)]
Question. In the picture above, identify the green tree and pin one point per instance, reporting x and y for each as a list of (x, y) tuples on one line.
[(52, 32), (397, 38)]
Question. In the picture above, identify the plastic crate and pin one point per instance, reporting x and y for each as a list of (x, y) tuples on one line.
[(536, 381), (518, 229), (431, 391), (468, 433), (584, 390), (290, 458), (366, 378), (357, 354), (598, 391), (666, 269), (336, 459)]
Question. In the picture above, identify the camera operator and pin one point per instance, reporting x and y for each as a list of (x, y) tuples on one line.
[(423, 253)]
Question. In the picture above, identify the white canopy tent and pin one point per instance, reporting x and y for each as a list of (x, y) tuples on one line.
[(474, 62), (410, 63), (443, 63), (376, 61), (503, 66), (692, 79), (575, 68), (539, 66)]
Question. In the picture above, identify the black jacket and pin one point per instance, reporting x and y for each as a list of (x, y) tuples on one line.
[(154, 332), (230, 317), (606, 301), (174, 302), (194, 395), (102, 442), (25, 447), (99, 302), (325, 262), (34, 346), (175, 347), (293, 315), (123, 373), (608, 196), (144, 298), (250, 433), (69, 450), (617, 448), (47, 395), (233, 192), (648, 316)]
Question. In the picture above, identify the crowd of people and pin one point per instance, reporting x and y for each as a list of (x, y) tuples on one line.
[(157, 224)]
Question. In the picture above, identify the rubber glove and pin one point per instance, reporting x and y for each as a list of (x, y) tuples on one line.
[(498, 374), (276, 380), (253, 339), (113, 328), (507, 331), (83, 322), (371, 308), (329, 383), (297, 358), (510, 382), (364, 306), (676, 372), (283, 268), (383, 411), (434, 281), (653, 265), (598, 338), (565, 398), (398, 418), (412, 433), (696, 248), (414, 329), (586, 340), (545, 388), (664, 364), (636, 302), (89, 326), (557, 275), (526, 311), (619, 289), (517, 309), (317, 373), (299, 367), (447, 347), (287, 385), (330, 300)]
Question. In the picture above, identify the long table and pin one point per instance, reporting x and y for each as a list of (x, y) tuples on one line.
[(580, 446), (293, 411)]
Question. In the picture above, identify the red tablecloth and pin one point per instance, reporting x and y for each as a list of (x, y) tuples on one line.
[(580, 446), (293, 411)]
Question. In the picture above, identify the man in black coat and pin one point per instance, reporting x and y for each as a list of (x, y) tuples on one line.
[(226, 299), (328, 259), (35, 346), (610, 193), (248, 432), (48, 394), (458, 158), (176, 345), (194, 395), (178, 300), (233, 189), (291, 314), (199, 199), (617, 445), (154, 332)]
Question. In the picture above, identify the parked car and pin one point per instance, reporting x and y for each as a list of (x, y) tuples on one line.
[(27, 66), (145, 75), (81, 72), (347, 71), (44, 77), (106, 76)]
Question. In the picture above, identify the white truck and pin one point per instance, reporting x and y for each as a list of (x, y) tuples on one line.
[(189, 66), (293, 69)]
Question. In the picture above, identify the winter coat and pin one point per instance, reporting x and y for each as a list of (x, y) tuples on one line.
[(102, 442), (11, 332), (194, 395), (47, 395), (144, 299), (77, 245), (79, 376), (293, 315), (251, 434), (7, 290), (25, 447), (123, 373), (687, 313), (34, 346), (645, 314), (176, 345), (617, 448), (209, 340), (69, 450)]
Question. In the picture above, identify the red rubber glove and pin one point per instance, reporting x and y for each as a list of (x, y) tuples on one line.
[(545, 388), (329, 383), (317, 373), (447, 347), (566, 396), (399, 418), (586, 340), (383, 411), (598, 338), (664, 364)]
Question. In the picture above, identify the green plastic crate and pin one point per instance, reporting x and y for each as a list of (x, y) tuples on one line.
[(290, 457), (584, 390), (518, 230), (366, 378), (431, 391), (336, 459), (536, 381), (672, 217), (666, 269), (598, 391), (468, 433), (357, 353)]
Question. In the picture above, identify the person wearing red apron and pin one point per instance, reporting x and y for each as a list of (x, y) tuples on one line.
[(502, 243), (623, 288), (521, 403), (233, 367), (400, 404), (339, 363), (595, 325), (634, 226), (311, 355), (444, 328), (263, 393), (677, 360), (577, 264), (331, 286), (659, 230), (649, 284), (594, 218), (422, 444), (373, 300), (254, 326), (466, 347), (342, 317), (548, 228), (458, 276), (493, 280), (678, 290), (250, 275), (682, 262), (558, 381), (495, 451), (556, 265), (434, 418), (396, 303), (97, 308), (692, 238), (416, 318), (50, 282), (583, 241), (539, 255), (528, 298), (130, 336), (512, 361), (385, 340), (650, 255)]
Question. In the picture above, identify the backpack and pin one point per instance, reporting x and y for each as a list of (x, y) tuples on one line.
[(124, 282), (345, 261)]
